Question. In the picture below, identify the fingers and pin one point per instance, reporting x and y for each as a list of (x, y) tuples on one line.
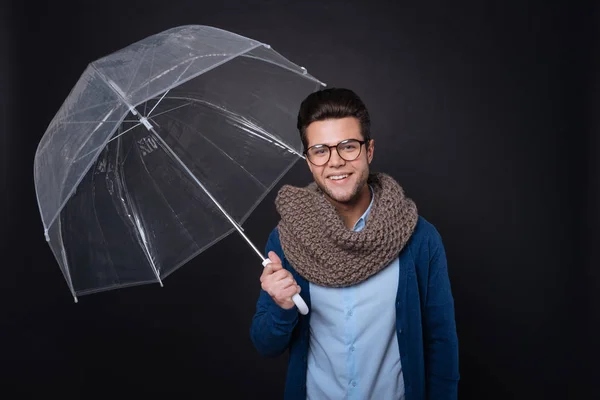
[(284, 297), (283, 287), (279, 282), (284, 283), (287, 293), (274, 258), (267, 272), (271, 274), (275, 265), (275, 283), (280, 275)]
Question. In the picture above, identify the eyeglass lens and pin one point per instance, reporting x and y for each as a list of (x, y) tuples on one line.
[(348, 150)]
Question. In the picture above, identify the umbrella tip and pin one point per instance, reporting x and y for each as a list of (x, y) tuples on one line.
[(75, 299)]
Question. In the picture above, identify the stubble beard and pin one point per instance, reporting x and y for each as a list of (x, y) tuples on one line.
[(354, 194)]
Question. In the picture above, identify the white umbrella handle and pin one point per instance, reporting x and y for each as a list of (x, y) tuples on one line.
[(298, 301)]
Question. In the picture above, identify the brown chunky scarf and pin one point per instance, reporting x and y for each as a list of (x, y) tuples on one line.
[(324, 251)]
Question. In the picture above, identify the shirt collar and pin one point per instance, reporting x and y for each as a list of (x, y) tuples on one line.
[(360, 224)]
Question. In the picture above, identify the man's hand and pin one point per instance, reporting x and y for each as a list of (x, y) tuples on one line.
[(279, 283)]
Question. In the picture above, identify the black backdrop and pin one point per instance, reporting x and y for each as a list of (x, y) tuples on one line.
[(484, 111)]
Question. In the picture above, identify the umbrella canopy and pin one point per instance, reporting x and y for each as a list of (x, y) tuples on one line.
[(162, 149)]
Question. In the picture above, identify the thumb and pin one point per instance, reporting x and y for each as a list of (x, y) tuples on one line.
[(274, 257)]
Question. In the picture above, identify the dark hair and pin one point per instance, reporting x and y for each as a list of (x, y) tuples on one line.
[(333, 103)]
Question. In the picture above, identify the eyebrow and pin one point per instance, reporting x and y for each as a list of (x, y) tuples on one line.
[(335, 144)]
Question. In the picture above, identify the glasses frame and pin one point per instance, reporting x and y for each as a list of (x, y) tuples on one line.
[(361, 142)]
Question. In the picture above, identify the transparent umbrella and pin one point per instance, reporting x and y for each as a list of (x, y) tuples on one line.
[(162, 149)]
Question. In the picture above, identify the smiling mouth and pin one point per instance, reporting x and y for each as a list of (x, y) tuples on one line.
[(338, 178)]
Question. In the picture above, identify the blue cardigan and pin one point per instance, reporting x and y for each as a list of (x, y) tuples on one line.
[(425, 324)]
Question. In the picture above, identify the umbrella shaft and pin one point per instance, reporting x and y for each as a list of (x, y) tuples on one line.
[(249, 242), (189, 172)]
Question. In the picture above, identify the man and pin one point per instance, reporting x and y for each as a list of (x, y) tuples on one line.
[(371, 270)]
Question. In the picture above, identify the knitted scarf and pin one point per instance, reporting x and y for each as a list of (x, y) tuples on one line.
[(324, 251)]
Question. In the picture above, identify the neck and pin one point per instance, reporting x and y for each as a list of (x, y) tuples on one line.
[(351, 211)]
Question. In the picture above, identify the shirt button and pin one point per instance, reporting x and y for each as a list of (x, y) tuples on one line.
[(350, 313), (353, 383), (351, 348)]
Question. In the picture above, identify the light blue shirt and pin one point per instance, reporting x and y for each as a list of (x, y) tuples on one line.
[(353, 348)]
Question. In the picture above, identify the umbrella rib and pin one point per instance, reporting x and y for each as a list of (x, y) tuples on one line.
[(62, 119), (166, 111), (219, 206), (63, 255), (304, 72), (85, 122), (224, 152), (98, 221), (163, 96), (162, 195), (133, 127), (157, 103), (135, 220), (104, 145), (148, 87), (137, 69), (241, 120), (173, 68)]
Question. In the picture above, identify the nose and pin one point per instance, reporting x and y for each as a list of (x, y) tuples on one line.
[(335, 160)]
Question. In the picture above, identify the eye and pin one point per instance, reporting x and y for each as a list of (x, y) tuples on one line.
[(318, 151)]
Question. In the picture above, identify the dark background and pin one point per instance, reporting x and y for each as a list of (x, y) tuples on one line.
[(485, 111)]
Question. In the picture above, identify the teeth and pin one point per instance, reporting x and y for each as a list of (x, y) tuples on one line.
[(337, 177)]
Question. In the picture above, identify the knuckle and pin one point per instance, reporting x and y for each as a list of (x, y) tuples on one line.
[(266, 286)]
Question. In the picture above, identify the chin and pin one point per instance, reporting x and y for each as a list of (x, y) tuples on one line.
[(342, 196)]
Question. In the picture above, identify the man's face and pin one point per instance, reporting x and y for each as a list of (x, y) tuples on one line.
[(355, 173)]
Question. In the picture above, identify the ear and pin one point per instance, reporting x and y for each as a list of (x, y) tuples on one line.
[(370, 151)]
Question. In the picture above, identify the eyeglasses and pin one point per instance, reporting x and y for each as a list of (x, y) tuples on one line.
[(348, 150)]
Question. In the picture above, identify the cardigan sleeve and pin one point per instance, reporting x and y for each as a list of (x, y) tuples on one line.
[(272, 326), (439, 327)]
